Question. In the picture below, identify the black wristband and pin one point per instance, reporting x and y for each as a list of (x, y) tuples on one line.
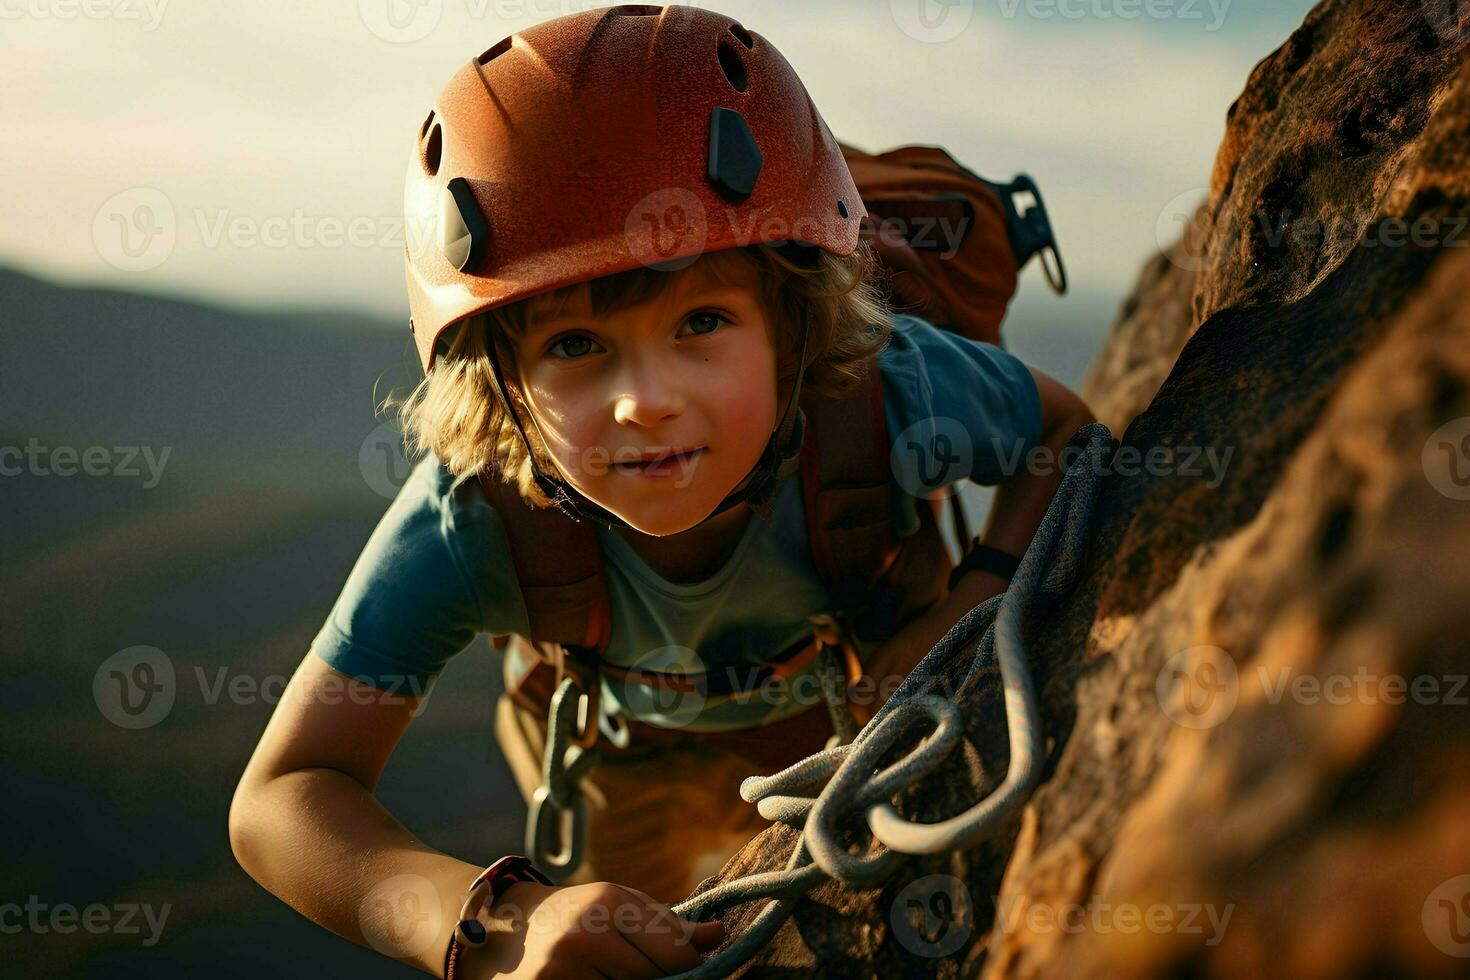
[(984, 558)]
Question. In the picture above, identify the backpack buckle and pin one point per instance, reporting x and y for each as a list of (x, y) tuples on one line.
[(1030, 231)]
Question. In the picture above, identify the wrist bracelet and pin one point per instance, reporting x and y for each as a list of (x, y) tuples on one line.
[(486, 891), (984, 558)]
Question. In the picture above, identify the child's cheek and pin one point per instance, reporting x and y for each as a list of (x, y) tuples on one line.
[(746, 389)]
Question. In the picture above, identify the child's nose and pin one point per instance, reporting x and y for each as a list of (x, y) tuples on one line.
[(651, 393)]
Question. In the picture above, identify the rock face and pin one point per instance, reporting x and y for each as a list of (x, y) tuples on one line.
[(1255, 703)]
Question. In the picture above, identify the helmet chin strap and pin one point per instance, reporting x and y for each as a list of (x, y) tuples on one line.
[(758, 488)]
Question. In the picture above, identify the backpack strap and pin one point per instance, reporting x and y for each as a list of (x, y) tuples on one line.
[(878, 582), (558, 565)]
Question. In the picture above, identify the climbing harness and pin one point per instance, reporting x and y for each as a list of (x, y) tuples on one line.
[(557, 822), (815, 794)]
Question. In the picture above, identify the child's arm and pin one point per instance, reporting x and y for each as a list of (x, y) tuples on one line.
[(1016, 512), (305, 824), (1022, 501)]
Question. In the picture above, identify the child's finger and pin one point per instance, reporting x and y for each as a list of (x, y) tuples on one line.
[(674, 943)]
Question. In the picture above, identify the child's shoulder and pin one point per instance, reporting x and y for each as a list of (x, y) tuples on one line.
[(436, 512), (964, 401)]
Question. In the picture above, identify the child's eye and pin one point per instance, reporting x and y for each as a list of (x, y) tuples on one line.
[(707, 316), (576, 340)]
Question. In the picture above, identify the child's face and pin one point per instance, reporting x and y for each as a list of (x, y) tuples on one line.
[(692, 369)]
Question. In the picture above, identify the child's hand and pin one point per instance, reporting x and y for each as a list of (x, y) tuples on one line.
[(595, 930)]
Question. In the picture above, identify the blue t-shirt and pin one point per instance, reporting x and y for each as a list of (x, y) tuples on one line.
[(437, 571)]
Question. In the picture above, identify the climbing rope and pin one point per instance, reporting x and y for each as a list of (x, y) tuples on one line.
[(820, 791)]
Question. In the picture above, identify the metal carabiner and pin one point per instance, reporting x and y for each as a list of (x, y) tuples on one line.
[(556, 835), (1030, 231), (556, 826), (589, 712), (615, 729)]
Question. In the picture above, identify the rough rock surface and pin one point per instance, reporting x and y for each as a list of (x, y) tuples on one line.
[(1193, 768)]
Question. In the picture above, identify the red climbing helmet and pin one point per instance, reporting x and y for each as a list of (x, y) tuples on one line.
[(610, 139)]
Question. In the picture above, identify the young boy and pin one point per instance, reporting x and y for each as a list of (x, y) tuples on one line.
[(646, 255)]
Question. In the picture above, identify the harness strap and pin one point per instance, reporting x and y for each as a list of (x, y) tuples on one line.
[(847, 489), (728, 683), (559, 569)]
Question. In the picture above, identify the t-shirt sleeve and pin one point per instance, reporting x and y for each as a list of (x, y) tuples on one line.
[(956, 408), (415, 596)]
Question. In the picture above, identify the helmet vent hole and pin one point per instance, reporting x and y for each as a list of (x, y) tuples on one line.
[(428, 120), (635, 10), (742, 35), (499, 48), (431, 149), (733, 67)]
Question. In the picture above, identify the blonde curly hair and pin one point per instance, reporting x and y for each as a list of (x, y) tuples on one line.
[(457, 413)]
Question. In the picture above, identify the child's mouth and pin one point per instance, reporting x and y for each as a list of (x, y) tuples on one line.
[(668, 466)]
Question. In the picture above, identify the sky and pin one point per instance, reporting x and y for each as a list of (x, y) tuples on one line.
[(253, 153)]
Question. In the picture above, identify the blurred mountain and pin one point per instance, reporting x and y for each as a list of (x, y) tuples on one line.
[(235, 399), (269, 471)]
